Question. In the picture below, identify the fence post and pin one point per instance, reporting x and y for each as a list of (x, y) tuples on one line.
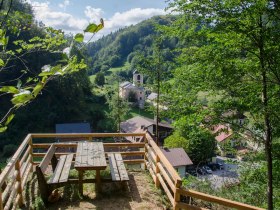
[(145, 151), (177, 195), (18, 178), (157, 171), (1, 202), (31, 153)]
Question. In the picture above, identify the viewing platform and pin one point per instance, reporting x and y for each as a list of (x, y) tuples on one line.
[(145, 164)]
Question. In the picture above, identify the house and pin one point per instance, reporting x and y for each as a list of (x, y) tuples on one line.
[(152, 99), (135, 89), (72, 128), (223, 133), (135, 124), (225, 137), (178, 159)]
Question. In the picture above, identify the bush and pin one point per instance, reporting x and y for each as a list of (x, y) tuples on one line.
[(9, 150)]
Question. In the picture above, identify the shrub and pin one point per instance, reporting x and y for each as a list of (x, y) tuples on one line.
[(9, 150)]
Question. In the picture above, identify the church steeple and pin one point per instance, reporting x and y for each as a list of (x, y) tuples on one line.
[(137, 78)]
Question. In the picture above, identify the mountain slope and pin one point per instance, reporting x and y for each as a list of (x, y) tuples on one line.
[(116, 48)]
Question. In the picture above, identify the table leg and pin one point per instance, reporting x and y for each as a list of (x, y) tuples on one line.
[(98, 181), (81, 174)]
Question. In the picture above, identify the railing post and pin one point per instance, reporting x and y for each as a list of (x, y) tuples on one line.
[(1, 202), (177, 195), (18, 178), (146, 152), (31, 152), (2, 188), (157, 171)]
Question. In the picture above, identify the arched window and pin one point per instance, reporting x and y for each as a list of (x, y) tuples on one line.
[(138, 77)]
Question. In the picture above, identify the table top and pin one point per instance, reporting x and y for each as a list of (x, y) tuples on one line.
[(90, 156)]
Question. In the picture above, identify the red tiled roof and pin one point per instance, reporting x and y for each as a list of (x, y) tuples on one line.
[(223, 132)]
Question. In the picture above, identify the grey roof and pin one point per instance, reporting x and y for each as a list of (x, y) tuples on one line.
[(135, 71), (73, 128), (132, 124), (152, 96), (177, 156), (124, 84)]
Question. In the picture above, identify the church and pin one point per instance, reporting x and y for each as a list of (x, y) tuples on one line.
[(136, 88)]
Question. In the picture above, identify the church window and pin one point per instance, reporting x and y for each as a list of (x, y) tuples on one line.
[(138, 77)]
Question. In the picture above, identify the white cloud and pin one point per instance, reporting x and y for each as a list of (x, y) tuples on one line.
[(58, 20), (94, 14), (127, 18), (71, 24), (64, 4)]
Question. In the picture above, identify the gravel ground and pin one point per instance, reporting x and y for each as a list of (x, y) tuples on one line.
[(139, 194)]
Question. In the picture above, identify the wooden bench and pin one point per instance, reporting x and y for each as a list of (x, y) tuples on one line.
[(117, 167), (61, 169)]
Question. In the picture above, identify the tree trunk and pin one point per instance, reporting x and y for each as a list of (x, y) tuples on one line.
[(268, 133), (157, 112)]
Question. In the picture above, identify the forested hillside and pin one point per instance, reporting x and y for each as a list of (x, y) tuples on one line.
[(116, 48), (26, 67)]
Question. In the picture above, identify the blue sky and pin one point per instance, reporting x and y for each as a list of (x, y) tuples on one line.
[(73, 16)]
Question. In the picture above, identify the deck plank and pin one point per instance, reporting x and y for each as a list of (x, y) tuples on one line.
[(121, 167), (78, 158), (66, 169), (58, 170), (113, 168)]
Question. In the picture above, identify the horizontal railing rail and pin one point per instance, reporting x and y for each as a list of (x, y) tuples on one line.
[(15, 175), (166, 177)]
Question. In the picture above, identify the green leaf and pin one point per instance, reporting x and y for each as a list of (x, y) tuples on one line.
[(22, 97), (2, 63), (3, 128), (9, 89), (91, 28), (9, 119), (99, 27), (37, 89), (79, 37)]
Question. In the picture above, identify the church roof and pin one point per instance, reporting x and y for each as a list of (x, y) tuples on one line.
[(135, 71), (125, 84)]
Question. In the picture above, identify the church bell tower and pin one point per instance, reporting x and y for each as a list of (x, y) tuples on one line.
[(137, 79)]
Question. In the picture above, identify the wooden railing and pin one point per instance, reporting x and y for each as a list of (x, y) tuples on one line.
[(15, 175)]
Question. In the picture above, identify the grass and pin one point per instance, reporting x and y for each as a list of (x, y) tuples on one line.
[(138, 193), (117, 69), (108, 74), (3, 162), (135, 111)]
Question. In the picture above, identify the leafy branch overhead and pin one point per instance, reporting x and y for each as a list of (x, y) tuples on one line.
[(27, 89)]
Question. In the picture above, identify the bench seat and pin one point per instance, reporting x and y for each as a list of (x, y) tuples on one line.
[(117, 167), (61, 169)]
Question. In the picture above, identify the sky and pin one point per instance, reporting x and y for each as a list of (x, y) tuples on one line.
[(72, 16)]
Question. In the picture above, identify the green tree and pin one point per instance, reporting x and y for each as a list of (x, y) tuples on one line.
[(176, 141), (118, 107), (199, 144), (155, 68), (99, 79), (231, 50), (19, 49)]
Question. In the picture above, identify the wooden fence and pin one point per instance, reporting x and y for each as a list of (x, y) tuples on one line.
[(15, 175)]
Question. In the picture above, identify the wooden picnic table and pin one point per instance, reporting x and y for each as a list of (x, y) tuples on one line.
[(90, 156)]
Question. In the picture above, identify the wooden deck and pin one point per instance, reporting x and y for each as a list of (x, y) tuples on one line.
[(15, 175)]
